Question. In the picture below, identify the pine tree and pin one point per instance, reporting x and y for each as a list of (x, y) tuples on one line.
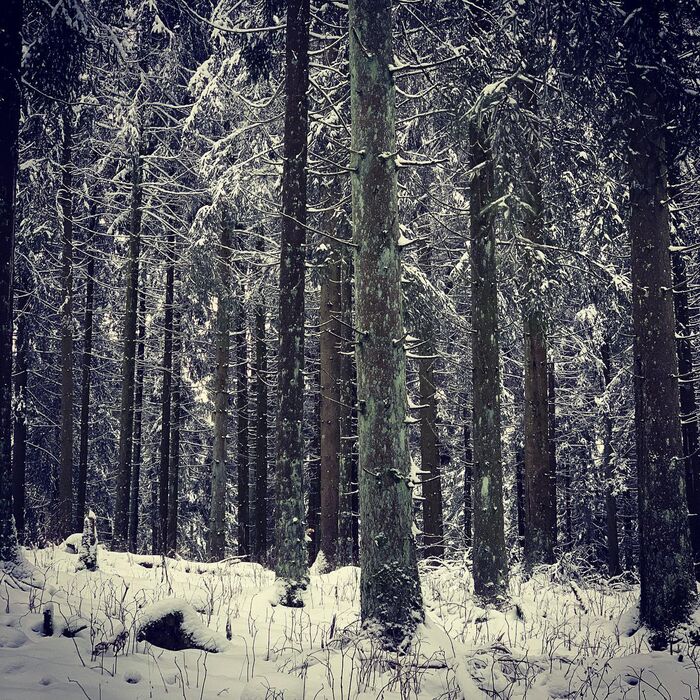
[(390, 595), (290, 556), (10, 81)]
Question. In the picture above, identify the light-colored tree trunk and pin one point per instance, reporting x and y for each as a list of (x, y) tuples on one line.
[(390, 595)]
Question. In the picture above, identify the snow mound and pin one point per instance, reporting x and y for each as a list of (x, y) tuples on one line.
[(174, 624), (72, 543)]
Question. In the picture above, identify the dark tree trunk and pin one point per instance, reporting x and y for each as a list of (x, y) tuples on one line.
[(689, 409), (261, 485), (390, 595), (86, 376), (330, 371), (609, 473), (346, 488), (489, 554), (540, 482), (126, 416), (468, 470), (19, 437), (430, 451), (65, 202), (520, 492), (242, 427), (217, 514), (138, 427), (166, 398), (174, 466), (11, 97), (666, 564), (291, 557)]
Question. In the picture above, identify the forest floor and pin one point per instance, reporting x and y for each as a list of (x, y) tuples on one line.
[(560, 639)]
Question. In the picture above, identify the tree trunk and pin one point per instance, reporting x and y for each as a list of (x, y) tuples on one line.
[(138, 427), (65, 202), (666, 565), (11, 97), (217, 514), (313, 486), (609, 473), (468, 471), (520, 493), (291, 558), (261, 486), (489, 554), (174, 466), (242, 427), (540, 482), (346, 487), (330, 363), (86, 376), (689, 409), (390, 595), (166, 398), (126, 416), (19, 437), (429, 451)]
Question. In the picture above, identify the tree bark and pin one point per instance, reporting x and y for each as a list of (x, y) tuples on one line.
[(666, 565), (174, 465), (689, 409), (346, 487), (489, 553), (166, 397), (429, 451), (242, 428), (65, 202), (217, 514), (468, 471), (126, 416), (540, 482), (138, 427), (390, 595), (330, 370), (11, 97), (291, 558), (19, 437), (86, 376), (609, 473), (261, 486)]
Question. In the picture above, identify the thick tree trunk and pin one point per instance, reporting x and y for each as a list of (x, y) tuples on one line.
[(242, 428), (86, 376), (11, 97), (346, 488), (429, 451), (261, 486), (174, 466), (19, 436), (166, 397), (65, 202), (489, 554), (217, 514), (390, 595), (291, 557), (126, 416), (540, 482), (689, 409), (666, 564), (138, 427), (608, 472), (330, 370)]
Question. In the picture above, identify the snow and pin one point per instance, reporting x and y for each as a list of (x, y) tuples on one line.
[(565, 635)]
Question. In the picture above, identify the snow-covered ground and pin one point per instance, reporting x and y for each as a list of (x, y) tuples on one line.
[(559, 640)]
